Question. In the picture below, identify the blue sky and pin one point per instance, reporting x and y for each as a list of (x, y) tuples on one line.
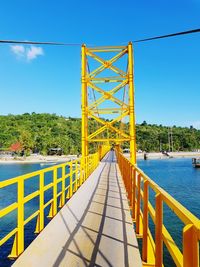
[(47, 79)]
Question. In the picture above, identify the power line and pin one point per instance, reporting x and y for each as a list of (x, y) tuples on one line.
[(36, 43), (78, 44), (167, 36)]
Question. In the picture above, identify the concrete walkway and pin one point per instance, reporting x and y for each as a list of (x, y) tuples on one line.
[(93, 229)]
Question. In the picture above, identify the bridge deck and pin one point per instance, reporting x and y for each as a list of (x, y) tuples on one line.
[(93, 229)]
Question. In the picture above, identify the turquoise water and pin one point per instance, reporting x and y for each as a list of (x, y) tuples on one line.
[(177, 176), (182, 181), (9, 195)]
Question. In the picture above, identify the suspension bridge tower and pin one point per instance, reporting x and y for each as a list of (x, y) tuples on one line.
[(108, 114)]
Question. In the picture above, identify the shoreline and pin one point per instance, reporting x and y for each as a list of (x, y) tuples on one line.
[(37, 159), (65, 158), (172, 155)]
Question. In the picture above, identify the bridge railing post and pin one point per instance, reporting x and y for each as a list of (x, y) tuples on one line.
[(81, 171), (129, 181), (125, 174), (76, 177), (18, 245), (87, 167), (131, 184), (158, 231), (53, 209), (55, 200), (138, 204), (90, 165), (40, 219), (93, 163), (100, 152), (84, 168), (62, 198), (190, 246), (145, 222), (134, 193), (70, 179)]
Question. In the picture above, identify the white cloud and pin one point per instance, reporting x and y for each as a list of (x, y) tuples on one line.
[(18, 50), (28, 53), (34, 52)]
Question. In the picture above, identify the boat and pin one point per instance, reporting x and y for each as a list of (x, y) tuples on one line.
[(196, 162)]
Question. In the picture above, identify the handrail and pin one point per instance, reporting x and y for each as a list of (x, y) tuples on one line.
[(137, 185), (74, 173)]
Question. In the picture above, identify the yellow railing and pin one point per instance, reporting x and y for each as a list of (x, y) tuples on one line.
[(63, 186), (103, 149), (138, 185)]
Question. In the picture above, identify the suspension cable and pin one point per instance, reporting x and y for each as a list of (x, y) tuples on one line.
[(192, 31), (167, 35), (94, 96), (36, 43)]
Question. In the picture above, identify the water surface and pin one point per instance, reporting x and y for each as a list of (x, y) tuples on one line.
[(176, 176), (8, 196), (179, 178)]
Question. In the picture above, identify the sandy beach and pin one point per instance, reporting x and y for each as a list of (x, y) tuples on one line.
[(155, 155), (64, 158), (36, 159)]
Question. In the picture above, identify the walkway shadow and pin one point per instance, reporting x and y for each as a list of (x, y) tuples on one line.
[(93, 233)]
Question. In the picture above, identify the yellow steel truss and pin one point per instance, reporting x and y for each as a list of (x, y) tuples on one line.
[(95, 80)]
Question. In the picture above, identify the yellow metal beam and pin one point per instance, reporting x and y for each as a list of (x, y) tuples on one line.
[(84, 103), (116, 108), (131, 105), (98, 131), (109, 93), (106, 64), (107, 48), (109, 124), (108, 110), (114, 140), (114, 79), (106, 96)]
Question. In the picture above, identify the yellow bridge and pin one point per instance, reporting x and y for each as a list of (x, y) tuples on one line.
[(100, 204)]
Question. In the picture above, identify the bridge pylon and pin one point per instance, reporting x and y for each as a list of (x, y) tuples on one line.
[(108, 114)]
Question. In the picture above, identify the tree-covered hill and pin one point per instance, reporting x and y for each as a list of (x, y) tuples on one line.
[(39, 132), (151, 137)]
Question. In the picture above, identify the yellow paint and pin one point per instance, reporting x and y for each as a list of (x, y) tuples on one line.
[(190, 246), (40, 219), (131, 106), (84, 103), (137, 183), (74, 168), (152, 251), (115, 134), (158, 231)]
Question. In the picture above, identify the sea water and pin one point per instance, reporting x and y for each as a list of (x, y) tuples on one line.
[(8, 196), (179, 178), (176, 176)]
